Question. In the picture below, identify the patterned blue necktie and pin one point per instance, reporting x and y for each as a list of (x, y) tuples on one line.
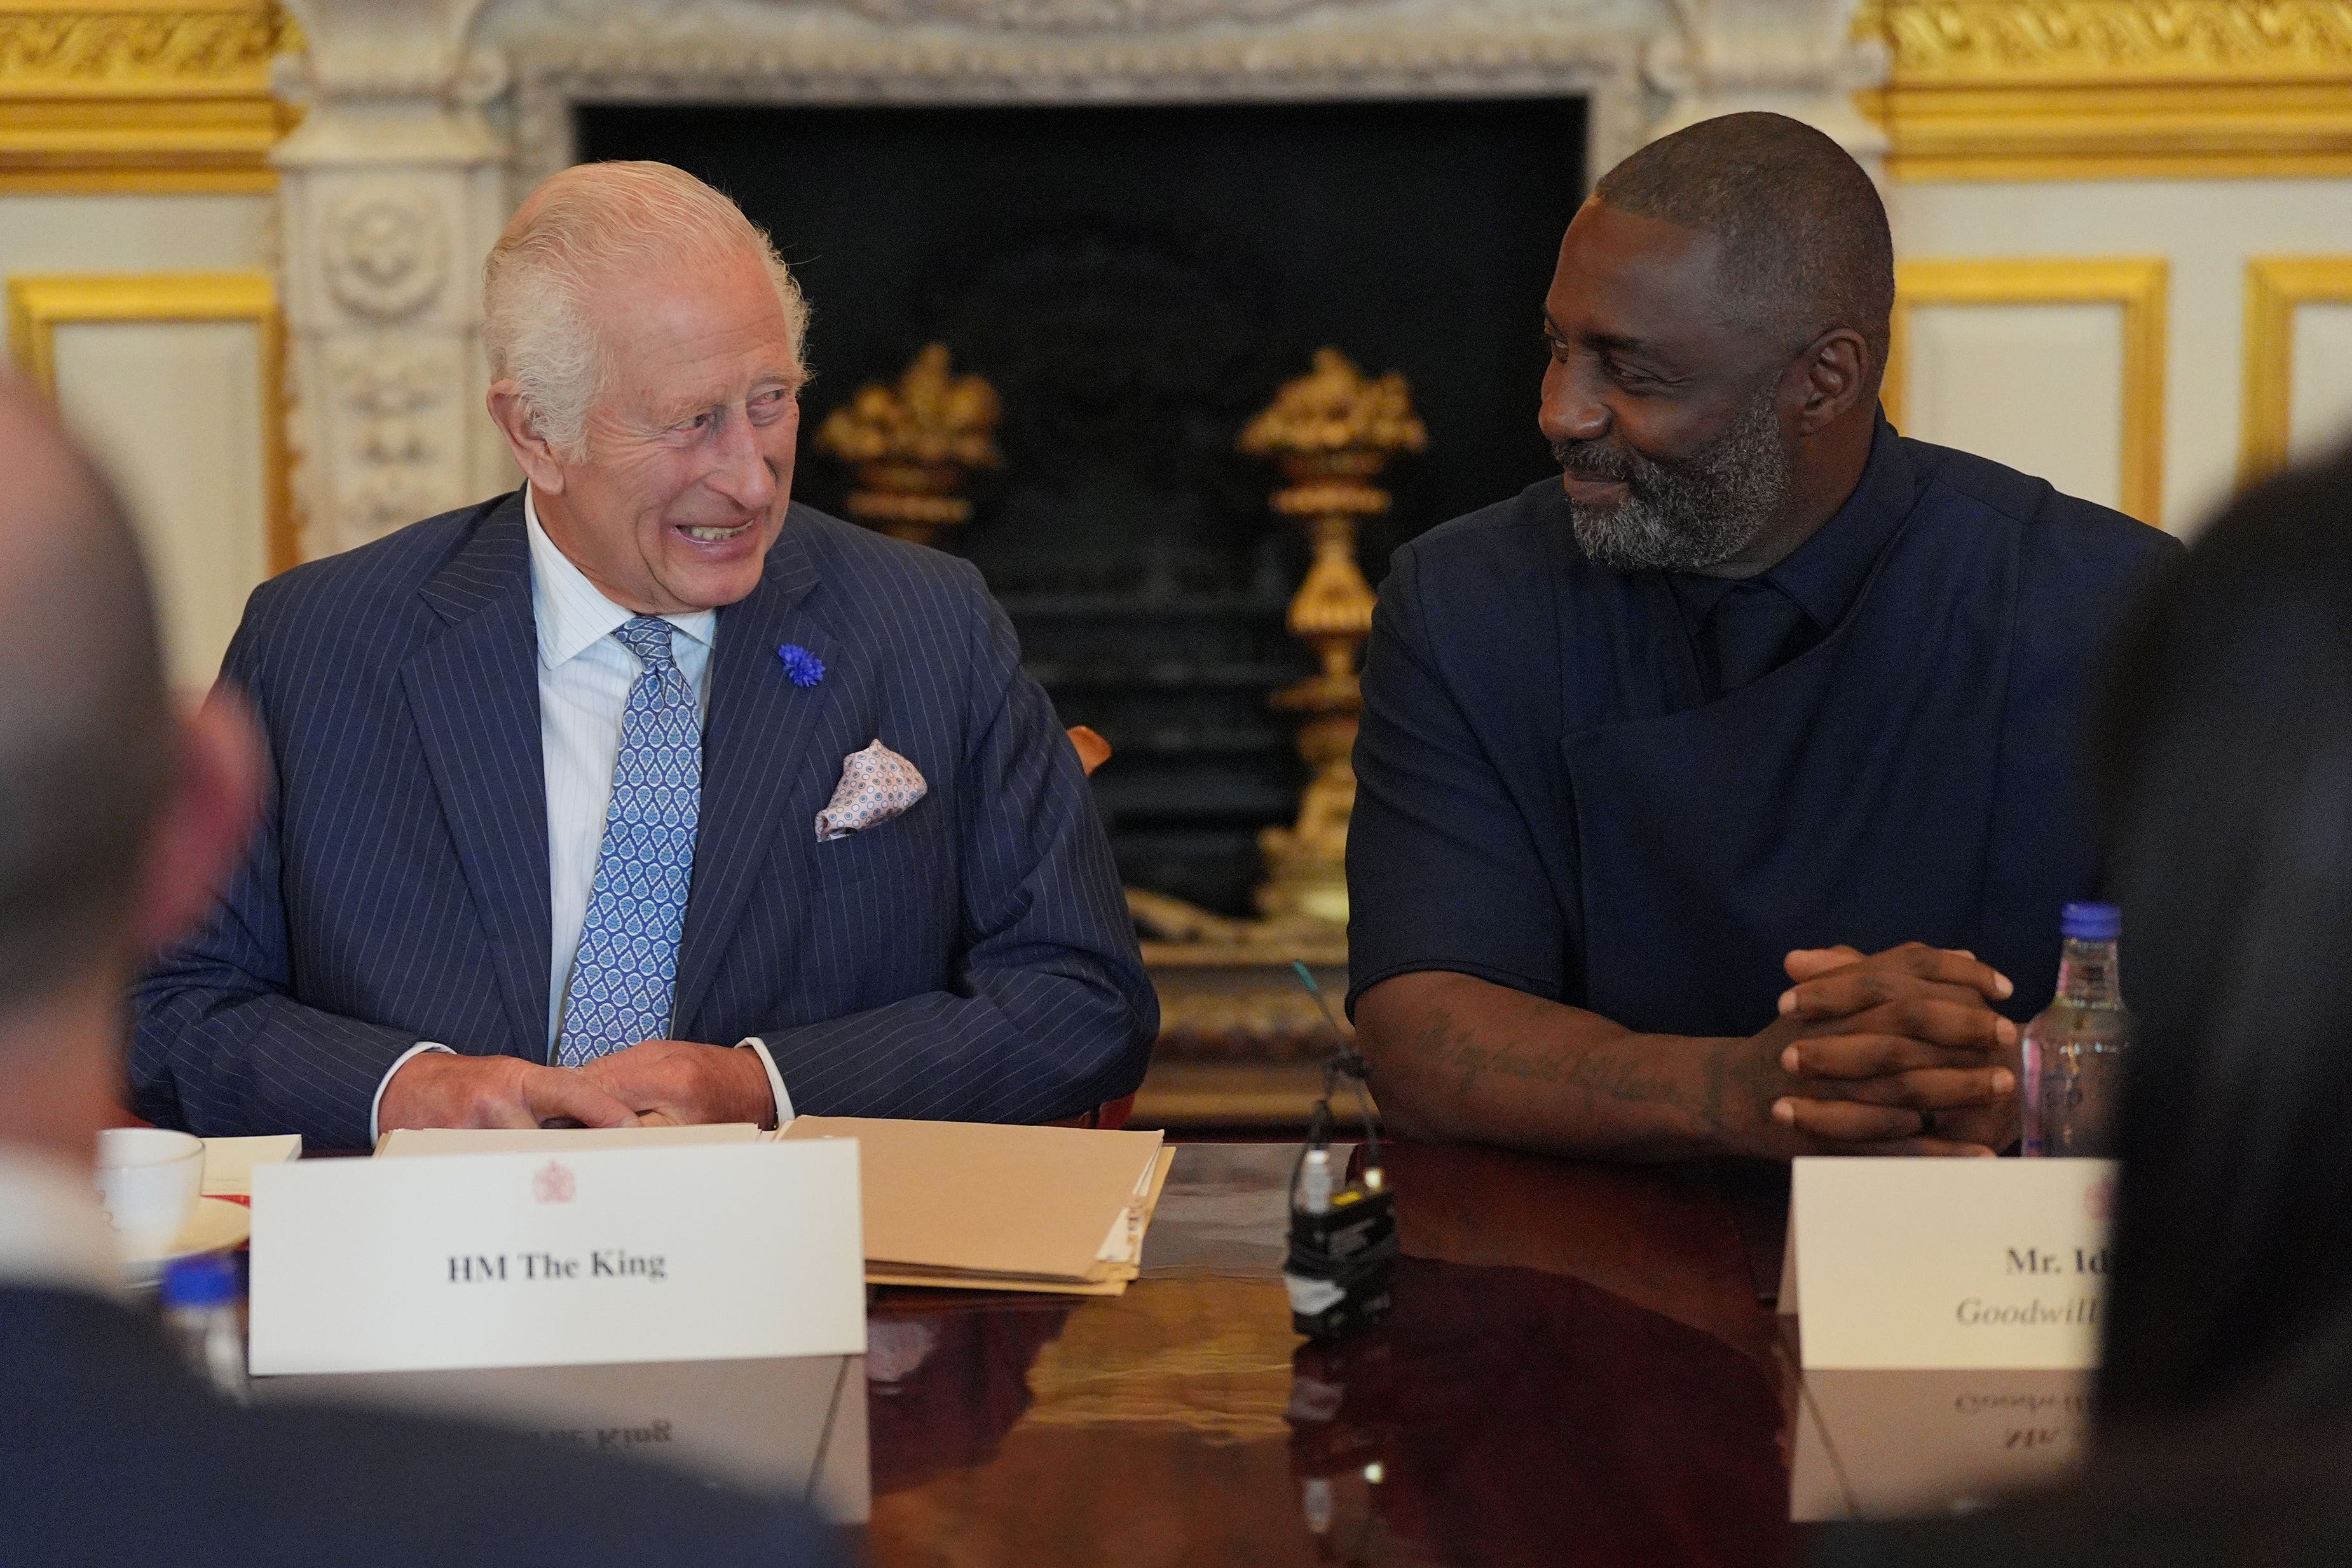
[(624, 977)]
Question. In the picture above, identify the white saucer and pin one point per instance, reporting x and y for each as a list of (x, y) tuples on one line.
[(217, 1226)]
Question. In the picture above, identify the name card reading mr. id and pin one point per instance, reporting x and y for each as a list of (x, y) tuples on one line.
[(1948, 1263), (721, 1252)]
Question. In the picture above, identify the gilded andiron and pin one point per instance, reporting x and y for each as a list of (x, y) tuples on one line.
[(914, 445), (1332, 430)]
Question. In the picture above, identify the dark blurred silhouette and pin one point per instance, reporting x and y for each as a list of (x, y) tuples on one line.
[(2223, 764), (117, 821)]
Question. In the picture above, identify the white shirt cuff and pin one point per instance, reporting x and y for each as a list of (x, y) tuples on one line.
[(775, 1079), (375, 1106)]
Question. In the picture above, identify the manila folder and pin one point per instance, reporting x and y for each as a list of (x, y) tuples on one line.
[(981, 1198)]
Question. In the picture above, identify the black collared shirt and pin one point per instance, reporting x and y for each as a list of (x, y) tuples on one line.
[(1553, 796), (1803, 596)]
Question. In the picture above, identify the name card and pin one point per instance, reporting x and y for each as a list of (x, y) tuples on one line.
[(1948, 1263), (721, 1252)]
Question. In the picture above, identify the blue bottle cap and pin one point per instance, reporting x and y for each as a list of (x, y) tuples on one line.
[(2092, 923), (208, 1280)]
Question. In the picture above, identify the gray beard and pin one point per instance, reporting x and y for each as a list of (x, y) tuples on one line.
[(1696, 513)]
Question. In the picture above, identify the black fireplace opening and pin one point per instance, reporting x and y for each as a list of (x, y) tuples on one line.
[(1136, 282)]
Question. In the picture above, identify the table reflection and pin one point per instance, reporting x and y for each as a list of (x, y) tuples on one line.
[(793, 1426), (1507, 1416), (1896, 1445), (945, 1383), (1579, 1369)]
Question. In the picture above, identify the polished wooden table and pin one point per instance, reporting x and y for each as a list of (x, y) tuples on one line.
[(1580, 1369)]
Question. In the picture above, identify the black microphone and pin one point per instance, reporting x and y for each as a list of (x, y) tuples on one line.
[(1341, 1263)]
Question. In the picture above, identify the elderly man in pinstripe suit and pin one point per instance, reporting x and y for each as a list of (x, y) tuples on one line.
[(643, 794)]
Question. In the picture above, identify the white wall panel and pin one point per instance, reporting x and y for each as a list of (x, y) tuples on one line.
[(2039, 387), (2320, 414), (135, 233), (175, 412), (176, 409), (2207, 229)]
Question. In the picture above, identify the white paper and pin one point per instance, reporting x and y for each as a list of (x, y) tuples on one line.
[(229, 1162), (405, 1142), (1948, 1263), (1124, 1242), (729, 1251)]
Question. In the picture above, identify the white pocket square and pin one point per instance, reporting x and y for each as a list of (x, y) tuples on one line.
[(876, 784)]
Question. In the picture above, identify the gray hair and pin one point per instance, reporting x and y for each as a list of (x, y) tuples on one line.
[(578, 226)]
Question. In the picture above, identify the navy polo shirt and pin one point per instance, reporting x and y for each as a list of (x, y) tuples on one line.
[(1558, 791)]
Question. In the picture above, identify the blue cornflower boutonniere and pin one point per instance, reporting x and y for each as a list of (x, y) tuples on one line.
[(804, 667)]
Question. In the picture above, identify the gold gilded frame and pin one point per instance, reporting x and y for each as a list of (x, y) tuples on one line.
[(148, 96), (40, 304), (2276, 287), (2138, 284), (2097, 89)]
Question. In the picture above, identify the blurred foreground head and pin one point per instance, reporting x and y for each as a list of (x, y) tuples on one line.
[(2224, 758), (116, 816)]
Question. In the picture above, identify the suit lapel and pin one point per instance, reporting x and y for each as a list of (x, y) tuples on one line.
[(475, 692), (763, 766)]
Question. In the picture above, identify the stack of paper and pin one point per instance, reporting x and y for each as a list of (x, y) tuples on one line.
[(229, 1162), (984, 1207), (538, 1140)]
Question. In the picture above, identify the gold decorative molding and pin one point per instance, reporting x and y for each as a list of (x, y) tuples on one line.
[(1331, 431), (2137, 284), (2276, 287), (40, 304), (2039, 89), (141, 95)]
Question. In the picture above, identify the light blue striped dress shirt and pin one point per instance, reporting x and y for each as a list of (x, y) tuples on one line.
[(584, 675)]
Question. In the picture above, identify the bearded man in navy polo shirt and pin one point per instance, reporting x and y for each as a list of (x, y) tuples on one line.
[(1718, 796)]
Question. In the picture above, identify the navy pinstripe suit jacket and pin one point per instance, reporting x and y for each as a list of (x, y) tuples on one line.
[(972, 959)]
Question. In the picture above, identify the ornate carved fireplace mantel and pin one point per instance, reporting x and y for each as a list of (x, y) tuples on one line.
[(424, 119), (1073, 51)]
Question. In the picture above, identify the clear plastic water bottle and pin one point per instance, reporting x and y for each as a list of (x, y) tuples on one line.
[(2075, 1048), (201, 1298)]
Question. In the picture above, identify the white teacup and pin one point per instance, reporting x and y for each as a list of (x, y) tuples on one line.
[(148, 1180)]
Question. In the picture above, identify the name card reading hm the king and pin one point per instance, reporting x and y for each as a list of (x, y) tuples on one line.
[(711, 1252)]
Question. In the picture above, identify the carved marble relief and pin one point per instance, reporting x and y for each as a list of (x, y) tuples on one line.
[(388, 396), (383, 341), (1086, 16), (551, 74), (387, 249)]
